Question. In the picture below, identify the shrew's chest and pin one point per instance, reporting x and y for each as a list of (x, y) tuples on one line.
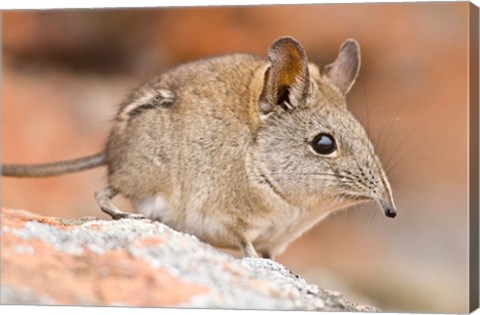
[(276, 233)]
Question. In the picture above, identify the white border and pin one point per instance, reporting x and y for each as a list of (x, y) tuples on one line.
[(72, 4)]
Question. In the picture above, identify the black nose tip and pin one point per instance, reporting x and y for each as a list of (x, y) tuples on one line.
[(390, 212)]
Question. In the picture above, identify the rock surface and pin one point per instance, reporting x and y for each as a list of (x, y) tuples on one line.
[(141, 263)]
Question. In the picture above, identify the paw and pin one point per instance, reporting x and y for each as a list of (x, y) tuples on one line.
[(134, 216), (266, 255)]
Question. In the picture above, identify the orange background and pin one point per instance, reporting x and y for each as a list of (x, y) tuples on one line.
[(64, 73)]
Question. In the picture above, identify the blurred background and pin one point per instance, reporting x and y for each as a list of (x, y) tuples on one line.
[(65, 72)]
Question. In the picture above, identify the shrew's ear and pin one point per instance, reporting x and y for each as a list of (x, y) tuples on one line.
[(344, 71), (286, 80)]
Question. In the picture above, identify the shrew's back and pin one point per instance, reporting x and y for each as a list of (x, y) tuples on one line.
[(185, 132)]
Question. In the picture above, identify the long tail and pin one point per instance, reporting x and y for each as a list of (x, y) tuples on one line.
[(55, 168)]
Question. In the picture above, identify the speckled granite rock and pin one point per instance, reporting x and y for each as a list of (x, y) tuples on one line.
[(141, 263)]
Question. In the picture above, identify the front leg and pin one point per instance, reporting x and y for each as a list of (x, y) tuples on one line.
[(246, 247)]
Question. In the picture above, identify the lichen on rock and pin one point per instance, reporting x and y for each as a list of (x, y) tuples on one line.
[(129, 262)]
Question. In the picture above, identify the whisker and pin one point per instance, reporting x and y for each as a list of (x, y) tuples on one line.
[(299, 175), (310, 173), (391, 125), (317, 179), (404, 140), (403, 157), (365, 101), (394, 182), (379, 139), (342, 178), (359, 168), (411, 209), (372, 216), (348, 182)]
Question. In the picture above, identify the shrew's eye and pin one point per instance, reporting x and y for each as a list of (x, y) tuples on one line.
[(324, 144)]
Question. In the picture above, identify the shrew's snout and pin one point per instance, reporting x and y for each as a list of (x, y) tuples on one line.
[(388, 208), (390, 212)]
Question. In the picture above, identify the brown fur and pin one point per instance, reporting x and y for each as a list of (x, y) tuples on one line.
[(232, 171), (221, 148)]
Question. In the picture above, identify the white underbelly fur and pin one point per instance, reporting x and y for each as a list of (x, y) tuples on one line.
[(272, 235), (157, 208), (154, 208)]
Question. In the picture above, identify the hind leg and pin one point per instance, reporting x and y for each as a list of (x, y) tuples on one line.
[(104, 200)]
